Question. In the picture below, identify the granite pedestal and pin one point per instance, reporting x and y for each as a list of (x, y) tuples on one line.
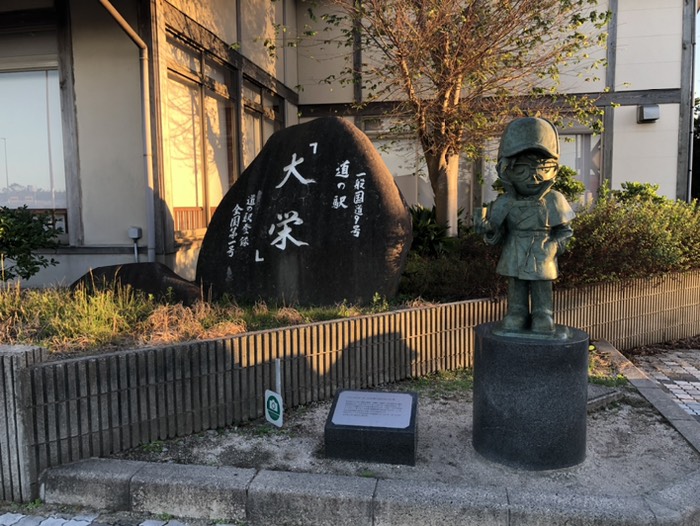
[(530, 398), (372, 426)]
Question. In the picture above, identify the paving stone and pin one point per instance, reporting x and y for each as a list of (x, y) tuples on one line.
[(8, 519), (32, 520), (89, 517), (54, 521), (678, 374)]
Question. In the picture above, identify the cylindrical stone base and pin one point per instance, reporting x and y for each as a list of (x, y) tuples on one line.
[(530, 399)]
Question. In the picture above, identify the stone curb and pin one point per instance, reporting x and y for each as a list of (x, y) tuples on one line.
[(277, 497), (281, 498)]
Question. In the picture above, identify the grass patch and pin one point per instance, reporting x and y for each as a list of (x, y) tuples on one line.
[(443, 384), (261, 428), (615, 381), (602, 371), (156, 446), (65, 321)]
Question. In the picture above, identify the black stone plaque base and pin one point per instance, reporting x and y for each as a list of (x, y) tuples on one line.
[(371, 443), (530, 399)]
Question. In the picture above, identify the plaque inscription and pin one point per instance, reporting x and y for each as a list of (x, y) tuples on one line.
[(373, 409)]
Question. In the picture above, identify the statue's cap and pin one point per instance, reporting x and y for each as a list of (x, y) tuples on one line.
[(529, 133)]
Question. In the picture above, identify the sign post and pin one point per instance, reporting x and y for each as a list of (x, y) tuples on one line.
[(274, 406)]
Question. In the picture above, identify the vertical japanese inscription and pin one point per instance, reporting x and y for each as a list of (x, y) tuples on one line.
[(350, 195), (358, 200), (240, 225)]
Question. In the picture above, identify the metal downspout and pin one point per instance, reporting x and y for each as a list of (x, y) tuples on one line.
[(693, 91), (146, 127)]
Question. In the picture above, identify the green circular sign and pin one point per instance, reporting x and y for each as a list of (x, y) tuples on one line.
[(273, 408)]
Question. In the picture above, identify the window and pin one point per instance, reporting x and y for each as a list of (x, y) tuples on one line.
[(200, 130), (582, 154), (262, 116), (32, 171), (401, 151)]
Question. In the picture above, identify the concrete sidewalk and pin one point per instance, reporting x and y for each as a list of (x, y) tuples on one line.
[(491, 495)]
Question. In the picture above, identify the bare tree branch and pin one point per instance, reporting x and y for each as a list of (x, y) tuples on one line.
[(462, 68)]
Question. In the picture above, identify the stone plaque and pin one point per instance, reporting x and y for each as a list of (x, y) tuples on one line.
[(373, 409), (373, 426)]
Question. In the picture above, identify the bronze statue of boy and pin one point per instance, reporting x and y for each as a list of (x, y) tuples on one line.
[(530, 220)]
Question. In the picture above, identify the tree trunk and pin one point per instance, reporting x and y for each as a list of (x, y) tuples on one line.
[(443, 171)]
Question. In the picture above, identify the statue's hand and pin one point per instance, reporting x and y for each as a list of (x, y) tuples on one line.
[(562, 235), (482, 226)]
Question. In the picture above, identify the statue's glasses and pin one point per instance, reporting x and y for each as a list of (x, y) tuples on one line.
[(543, 170)]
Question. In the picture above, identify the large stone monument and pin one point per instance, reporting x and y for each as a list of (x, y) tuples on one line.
[(530, 375), (315, 219)]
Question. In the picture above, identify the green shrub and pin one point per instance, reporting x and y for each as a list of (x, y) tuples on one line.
[(632, 233), (22, 233), (429, 237), (467, 271), (633, 191), (629, 233), (568, 184)]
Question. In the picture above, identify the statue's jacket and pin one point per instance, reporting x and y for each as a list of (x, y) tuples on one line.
[(534, 230)]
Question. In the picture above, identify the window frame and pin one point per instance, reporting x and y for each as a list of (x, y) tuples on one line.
[(47, 21), (266, 107), (193, 223)]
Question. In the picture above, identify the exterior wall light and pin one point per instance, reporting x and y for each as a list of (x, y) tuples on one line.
[(647, 113), (135, 234)]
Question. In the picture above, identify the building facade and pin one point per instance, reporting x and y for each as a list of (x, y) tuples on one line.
[(129, 120)]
